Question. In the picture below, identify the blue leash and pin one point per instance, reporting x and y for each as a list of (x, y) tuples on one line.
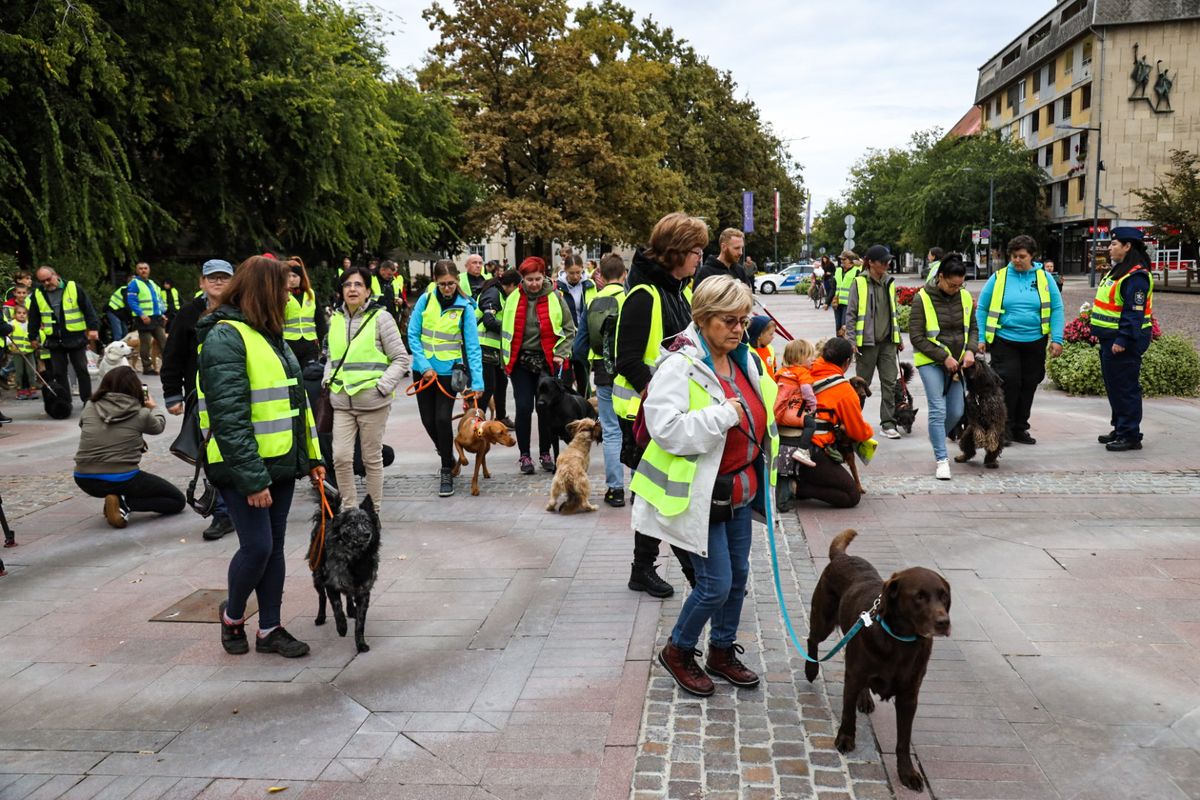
[(865, 619)]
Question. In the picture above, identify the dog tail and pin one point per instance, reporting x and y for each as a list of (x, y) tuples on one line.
[(840, 542), (906, 369)]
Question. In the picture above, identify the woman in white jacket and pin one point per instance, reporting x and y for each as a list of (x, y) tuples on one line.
[(709, 413)]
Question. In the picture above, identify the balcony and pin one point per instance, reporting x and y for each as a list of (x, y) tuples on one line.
[(1083, 74)]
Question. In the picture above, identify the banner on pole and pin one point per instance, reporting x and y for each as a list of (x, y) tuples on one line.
[(777, 211), (748, 212)]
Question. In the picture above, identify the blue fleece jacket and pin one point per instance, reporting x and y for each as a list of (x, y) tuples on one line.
[(470, 340), (1021, 318)]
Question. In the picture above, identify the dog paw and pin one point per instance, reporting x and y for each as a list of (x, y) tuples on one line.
[(961, 459), (363, 647), (866, 703), (991, 465), (319, 620), (590, 507), (551, 508), (911, 778), (844, 742), (811, 671), (474, 491), (340, 624)]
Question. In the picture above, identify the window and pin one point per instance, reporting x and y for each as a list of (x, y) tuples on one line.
[(1048, 194), (1085, 97), (1025, 125), (1021, 91), (477, 250), (996, 108), (1068, 62), (1087, 52), (1066, 107), (987, 111), (1010, 56), (1063, 191), (1081, 148), (1049, 114), (1072, 10), (1079, 188), (1048, 157), (1064, 149), (1013, 97), (1036, 120), (1038, 36), (1037, 80), (1050, 72)]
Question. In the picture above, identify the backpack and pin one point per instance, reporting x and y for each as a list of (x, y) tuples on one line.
[(602, 328)]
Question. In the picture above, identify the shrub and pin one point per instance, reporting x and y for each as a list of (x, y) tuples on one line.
[(1077, 370), (905, 294), (903, 313), (1171, 366), (1080, 329), (803, 286)]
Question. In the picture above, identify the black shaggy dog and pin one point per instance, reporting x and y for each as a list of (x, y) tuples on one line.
[(982, 426), (560, 406), (347, 564), (906, 412)]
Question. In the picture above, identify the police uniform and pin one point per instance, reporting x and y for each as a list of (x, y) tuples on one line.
[(1122, 315)]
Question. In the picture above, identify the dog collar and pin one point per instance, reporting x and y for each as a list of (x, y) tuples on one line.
[(883, 624)]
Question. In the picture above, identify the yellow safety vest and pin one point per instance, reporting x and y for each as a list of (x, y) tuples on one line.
[(1108, 304), (72, 313), (442, 331), (626, 400), (116, 300), (271, 410), (665, 480), (300, 320), (362, 362), (510, 322), (996, 307), (486, 337), (932, 330), (842, 279), (397, 286), (171, 299), (860, 321), (20, 337), (147, 293)]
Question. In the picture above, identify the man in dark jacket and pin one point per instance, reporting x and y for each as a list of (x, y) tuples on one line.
[(179, 362), (46, 310), (733, 243)]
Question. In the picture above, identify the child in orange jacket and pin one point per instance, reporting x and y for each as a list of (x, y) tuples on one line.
[(796, 404)]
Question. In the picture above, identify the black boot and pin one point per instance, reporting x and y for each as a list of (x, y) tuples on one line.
[(643, 578), (447, 484), (219, 527)]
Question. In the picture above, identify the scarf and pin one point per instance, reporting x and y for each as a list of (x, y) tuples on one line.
[(542, 309)]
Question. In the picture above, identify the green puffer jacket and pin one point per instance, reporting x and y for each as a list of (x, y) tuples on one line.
[(221, 373)]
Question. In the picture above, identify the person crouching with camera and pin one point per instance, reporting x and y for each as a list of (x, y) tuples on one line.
[(710, 419), (107, 463)]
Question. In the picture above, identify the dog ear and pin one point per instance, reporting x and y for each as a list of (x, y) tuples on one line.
[(367, 505), (597, 432), (946, 584), (573, 426), (890, 594)]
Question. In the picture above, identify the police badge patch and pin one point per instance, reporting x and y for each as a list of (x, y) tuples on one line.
[(1139, 301)]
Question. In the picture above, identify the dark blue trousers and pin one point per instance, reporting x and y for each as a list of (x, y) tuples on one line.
[(258, 564), (1121, 373)]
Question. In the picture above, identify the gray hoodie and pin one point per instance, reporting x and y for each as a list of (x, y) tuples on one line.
[(111, 434)]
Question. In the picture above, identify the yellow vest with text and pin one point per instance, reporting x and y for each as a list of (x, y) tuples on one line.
[(271, 411), (860, 321), (932, 329), (664, 480), (553, 303), (362, 362), (147, 292), (72, 313), (996, 307), (300, 320), (1109, 303)]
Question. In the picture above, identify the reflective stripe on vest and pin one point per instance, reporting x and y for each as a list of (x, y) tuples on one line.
[(149, 296), (842, 278), (510, 321), (860, 321), (116, 300), (20, 337), (626, 400), (932, 329), (996, 307), (488, 338), (271, 411), (397, 286), (72, 313), (362, 362), (1109, 302), (442, 331), (300, 322)]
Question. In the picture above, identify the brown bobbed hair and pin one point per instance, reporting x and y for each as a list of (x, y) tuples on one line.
[(296, 266), (1023, 242), (674, 236), (259, 290), (119, 380)]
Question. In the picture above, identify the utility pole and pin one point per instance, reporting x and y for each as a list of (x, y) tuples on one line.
[(991, 233), (776, 229), (1095, 212)]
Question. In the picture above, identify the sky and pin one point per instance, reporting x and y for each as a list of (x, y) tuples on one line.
[(836, 76)]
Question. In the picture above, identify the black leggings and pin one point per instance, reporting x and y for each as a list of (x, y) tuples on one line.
[(436, 409), (828, 481), (1022, 366), (495, 387), (524, 383), (142, 492)]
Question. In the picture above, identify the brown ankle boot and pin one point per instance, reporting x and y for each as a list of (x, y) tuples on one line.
[(682, 665), (724, 662)]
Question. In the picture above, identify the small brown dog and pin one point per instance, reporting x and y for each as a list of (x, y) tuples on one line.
[(477, 435), (913, 602), (571, 482)]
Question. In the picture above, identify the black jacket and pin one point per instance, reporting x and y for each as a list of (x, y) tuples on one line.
[(490, 300), (62, 338), (633, 326), (179, 356), (715, 266)]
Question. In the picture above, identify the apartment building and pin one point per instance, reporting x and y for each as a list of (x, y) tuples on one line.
[(1121, 77)]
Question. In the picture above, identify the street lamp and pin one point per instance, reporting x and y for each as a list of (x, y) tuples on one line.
[(1096, 208)]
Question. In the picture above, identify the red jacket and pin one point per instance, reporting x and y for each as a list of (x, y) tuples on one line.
[(840, 405)]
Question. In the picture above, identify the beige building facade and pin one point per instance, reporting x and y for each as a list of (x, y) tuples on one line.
[(1116, 77)]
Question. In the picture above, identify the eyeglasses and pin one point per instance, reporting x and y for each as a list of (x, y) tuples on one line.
[(735, 322), (699, 251), (354, 285), (447, 284)]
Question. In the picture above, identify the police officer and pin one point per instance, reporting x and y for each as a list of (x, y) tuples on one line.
[(1121, 320)]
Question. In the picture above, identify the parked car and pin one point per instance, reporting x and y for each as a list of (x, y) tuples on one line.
[(786, 278)]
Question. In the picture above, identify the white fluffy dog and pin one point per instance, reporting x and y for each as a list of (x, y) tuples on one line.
[(115, 355)]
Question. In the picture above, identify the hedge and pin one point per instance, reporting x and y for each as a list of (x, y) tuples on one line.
[(1171, 367)]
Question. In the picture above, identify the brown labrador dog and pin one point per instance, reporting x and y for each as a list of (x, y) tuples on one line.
[(476, 435), (913, 602)]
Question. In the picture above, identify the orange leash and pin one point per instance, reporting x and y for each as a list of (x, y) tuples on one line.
[(425, 383), (316, 549)]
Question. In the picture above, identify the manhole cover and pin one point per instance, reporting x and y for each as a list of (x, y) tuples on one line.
[(200, 606)]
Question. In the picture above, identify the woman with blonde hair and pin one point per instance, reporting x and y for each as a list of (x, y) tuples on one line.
[(713, 444)]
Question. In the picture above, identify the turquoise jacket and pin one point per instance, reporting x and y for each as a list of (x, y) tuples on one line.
[(1022, 317)]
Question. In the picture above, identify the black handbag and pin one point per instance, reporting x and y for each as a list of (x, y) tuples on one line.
[(201, 495), (460, 378), (189, 444)]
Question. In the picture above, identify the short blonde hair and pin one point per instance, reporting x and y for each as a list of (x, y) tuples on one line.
[(674, 236), (721, 295), (730, 233), (798, 351)]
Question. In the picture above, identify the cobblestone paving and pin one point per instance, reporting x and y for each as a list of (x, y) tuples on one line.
[(771, 742), (999, 482)]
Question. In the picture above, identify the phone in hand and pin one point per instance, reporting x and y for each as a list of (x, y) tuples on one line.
[(145, 392)]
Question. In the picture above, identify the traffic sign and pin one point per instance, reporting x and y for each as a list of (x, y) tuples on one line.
[(985, 233), (975, 236), (822, 251), (848, 233), (848, 244), (849, 220)]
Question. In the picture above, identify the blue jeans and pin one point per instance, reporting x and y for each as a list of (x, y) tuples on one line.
[(614, 473), (116, 325), (258, 564), (720, 585), (945, 405)]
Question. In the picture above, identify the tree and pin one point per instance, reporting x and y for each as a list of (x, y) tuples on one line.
[(1174, 204)]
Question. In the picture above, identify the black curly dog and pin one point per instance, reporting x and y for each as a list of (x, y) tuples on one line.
[(348, 565), (984, 415), (906, 412)]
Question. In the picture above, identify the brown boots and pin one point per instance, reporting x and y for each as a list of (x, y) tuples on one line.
[(722, 662)]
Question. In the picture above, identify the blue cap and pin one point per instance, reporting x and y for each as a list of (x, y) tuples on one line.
[(1127, 233), (216, 265), (757, 326)]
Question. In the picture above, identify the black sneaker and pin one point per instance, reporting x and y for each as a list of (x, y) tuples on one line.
[(446, 487), (547, 462), (233, 637), (217, 528), (527, 467), (615, 498), (508, 423), (281, 642), (645, 579), (1121, 445), (1105, 438), (1023, 438)]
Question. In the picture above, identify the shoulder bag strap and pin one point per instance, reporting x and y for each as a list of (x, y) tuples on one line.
[(370, 315)]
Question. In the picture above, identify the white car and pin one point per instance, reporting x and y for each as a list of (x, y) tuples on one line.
[(786, 278)]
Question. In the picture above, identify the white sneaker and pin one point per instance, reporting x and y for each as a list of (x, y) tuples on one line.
[(891, 433), (943, 469), (802, 456)]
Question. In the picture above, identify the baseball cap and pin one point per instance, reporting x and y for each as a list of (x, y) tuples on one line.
[(878, 252), (214, 265)]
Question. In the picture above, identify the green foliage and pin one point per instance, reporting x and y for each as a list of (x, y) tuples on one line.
[(903, 315), (1174, 204), (1171, 366), (803, 286)]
